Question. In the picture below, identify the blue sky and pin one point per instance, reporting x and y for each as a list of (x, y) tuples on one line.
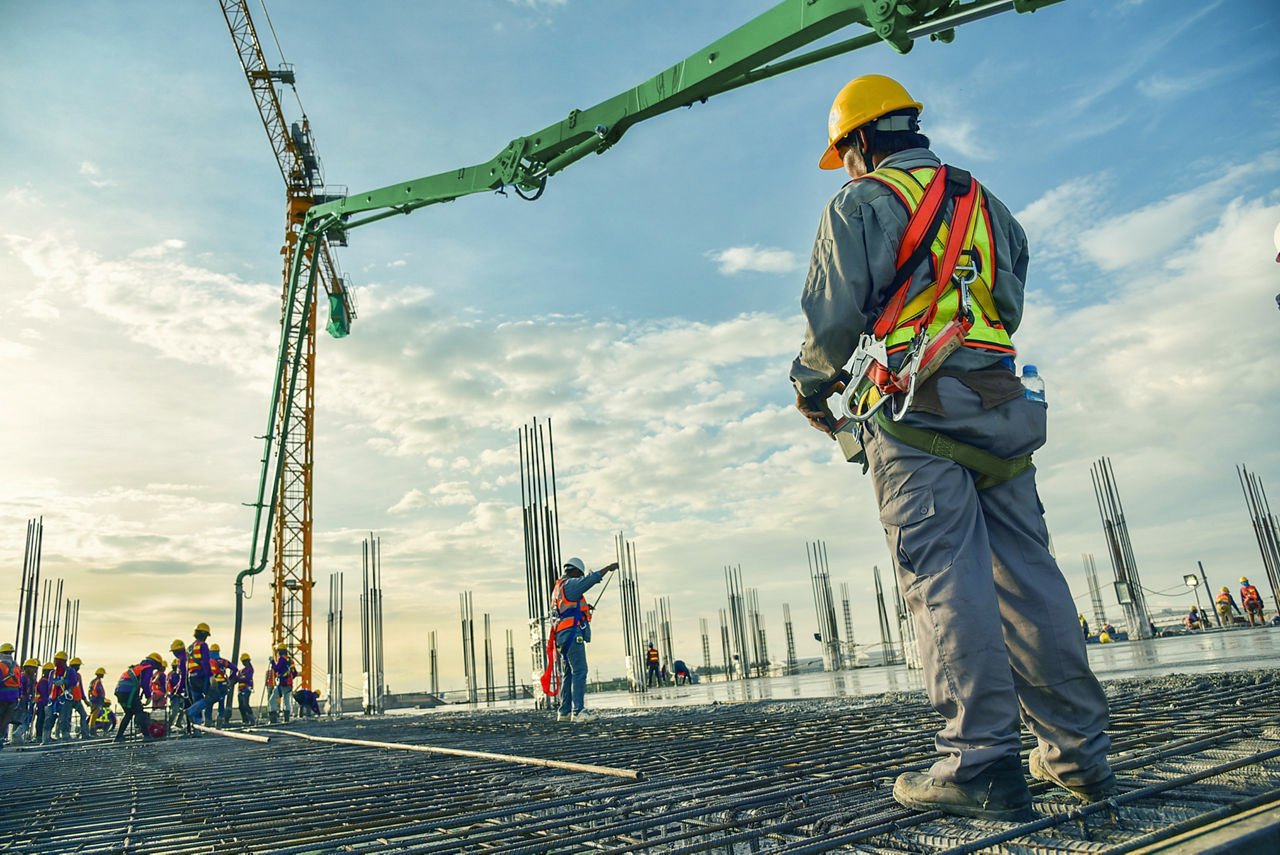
[(648, 303)]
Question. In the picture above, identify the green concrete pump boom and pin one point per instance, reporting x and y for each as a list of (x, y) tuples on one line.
[(759, 49)]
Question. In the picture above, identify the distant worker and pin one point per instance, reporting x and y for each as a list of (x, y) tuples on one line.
[(44, 692), (1192, 620), (220, 684), (308, 703), (282, 672), (682, 672), (179, 693), (200, 677), (572, 633), (27, 701), (10, 690), (97, 696), (1252, 602), (58, 696), (652, 666), (1226, 605), (953, 478), (1084, 625), (73, 700), (244, 689), (132, 690)]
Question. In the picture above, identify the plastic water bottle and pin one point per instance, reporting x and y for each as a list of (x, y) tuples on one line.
[(1034, 384)]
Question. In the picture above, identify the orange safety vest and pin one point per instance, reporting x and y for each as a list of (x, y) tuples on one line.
[(978, 250), (571, 613), (10, 676), (1249, 596), (96, 692), (651, 656), (1223, 598)]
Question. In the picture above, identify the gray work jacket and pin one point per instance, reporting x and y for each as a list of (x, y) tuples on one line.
[(852, 267)]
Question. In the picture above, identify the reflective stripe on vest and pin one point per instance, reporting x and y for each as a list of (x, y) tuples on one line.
[(652, 656), (1224, 598), (987, 332), (1249, 595), (571, 613)]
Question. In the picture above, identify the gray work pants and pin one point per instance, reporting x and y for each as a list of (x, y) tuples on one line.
[(996, 624)]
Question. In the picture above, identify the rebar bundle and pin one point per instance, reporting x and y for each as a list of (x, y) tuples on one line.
[(469, 646), (759, 641), (374, 688), (540, 512), (26, 636), (1095, 590), (511, 667), (725, 653), (489, 689), (662, 606), (850, 647), (1266, 529), (888, 648), (435, 665), (706, 647), (1129, 590), (824, 606), (738, 621), (333, 624), (633, 642), (791, 639)]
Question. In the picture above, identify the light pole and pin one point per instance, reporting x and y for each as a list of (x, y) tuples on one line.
[(1205, 579)]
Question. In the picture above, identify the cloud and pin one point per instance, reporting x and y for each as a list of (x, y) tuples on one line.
[(961, 136), (91, 171), (409, 501), (756, 259)]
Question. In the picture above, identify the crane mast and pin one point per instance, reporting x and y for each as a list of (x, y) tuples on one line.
[(292, 580)]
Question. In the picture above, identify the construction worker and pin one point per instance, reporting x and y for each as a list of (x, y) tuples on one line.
[(199, 677), (220, 683), (1084, 626), (179, 694), (44, 692), (956, 492), (244, 692), (10, 690), (652, 666), (26, 700), (58, 696), (1192, 620), (132, 690), (308, 703), (681, 672), (72, 699), (1252, 602), (97, 696), (282, 672), (572, 632), (1226, 605)]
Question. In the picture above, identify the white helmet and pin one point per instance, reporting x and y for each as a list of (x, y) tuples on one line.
[(576, 562)]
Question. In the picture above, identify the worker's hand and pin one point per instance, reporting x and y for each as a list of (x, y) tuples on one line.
[(609, 568), (814, 407)]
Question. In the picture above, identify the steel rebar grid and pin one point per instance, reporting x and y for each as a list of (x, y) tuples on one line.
[(771, 777)]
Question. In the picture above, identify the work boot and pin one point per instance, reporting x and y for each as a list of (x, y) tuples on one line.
[(1087, 793), (286, 718), (273, 717), (998, 792), (564, 716)]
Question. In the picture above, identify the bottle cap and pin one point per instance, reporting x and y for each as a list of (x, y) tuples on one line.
[(1029, 371)]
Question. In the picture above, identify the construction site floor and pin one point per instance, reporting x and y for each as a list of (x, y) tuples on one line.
[(1197, 757)]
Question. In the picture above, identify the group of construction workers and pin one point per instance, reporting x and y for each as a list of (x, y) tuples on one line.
[(1249, 597), (37, 701)]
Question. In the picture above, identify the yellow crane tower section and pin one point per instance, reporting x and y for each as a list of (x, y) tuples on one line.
[(292, 580)]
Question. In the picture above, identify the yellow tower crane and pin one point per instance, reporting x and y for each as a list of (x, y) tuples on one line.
[(304, 187)]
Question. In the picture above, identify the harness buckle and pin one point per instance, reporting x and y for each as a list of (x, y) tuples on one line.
[(869, 353)]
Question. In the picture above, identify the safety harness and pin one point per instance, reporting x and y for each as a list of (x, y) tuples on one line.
[(933, 325), (570, 615)]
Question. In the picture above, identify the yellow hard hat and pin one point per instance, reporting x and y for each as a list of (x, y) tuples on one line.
[(1244, 580), (174, 664), (48, 666), (177, 645), (862, 100), (1226, 590), (157, 658), (101, 672), (283, 647), (74, 662), (6, 648), (244, 657), (31, 663), (213, 648), (61, 654), (201, 627)]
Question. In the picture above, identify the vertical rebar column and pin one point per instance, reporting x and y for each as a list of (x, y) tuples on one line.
[(890, 654), (540, 512), (663, 605), (25, 637), (629, 597), (435, 666), (378, 648), (489, 689), (759, 642), (737, 621), (727, 656), (850, 651), (1095, 590), (511, 667), (824, 605), (42, 634), (791, 639), (366, 655), (1266, 529), (329, 644), (706, 648), (1116, 529), (469, 647)]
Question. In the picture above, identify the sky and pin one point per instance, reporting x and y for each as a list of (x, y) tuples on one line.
[(648, 305)]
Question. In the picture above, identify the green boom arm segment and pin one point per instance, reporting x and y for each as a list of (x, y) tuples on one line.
[(743, 56), (739, 58)]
